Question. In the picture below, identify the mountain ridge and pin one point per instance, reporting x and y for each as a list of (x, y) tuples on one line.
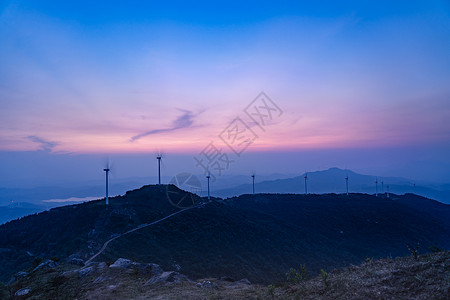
[(221, 237), (332, 180)]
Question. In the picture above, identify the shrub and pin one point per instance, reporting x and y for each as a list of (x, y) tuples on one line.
[(435, 249), (324, 276), (271, 290), (295, 276), (414, 251)]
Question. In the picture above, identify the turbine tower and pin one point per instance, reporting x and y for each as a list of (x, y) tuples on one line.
[(387, 186), (253, 178), (346, 183), (382, 186), (306, 185), (376, 187), (208, 177), (159, 168), (107, 176)]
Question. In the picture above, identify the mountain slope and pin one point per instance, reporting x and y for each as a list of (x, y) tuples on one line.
[(258, 237)]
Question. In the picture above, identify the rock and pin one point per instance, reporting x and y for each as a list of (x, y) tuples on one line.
[(21, 274), (77, 261), (75, 255), (154, 279), (206, 284), (177, 267), (244, 281), (23, 292), (239, 284), (121, 263), (46, 265), (85, 271), (167, 277), (101, 266), (100, 279), (68, 274)]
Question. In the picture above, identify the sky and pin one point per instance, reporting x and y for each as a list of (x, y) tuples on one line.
[(357, 84)]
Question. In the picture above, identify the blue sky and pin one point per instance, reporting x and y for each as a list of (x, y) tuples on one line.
[(80, 78)]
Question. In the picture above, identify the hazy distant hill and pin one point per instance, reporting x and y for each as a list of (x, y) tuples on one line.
[(333, 181), (258, 237), (17, 210)]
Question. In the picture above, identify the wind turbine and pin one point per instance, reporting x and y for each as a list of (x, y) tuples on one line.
[(208, 177), (376, 187), (107, 169), (382, 186), (387, 186), (306, 186), (158, 157), (346, 183), (253, 178)]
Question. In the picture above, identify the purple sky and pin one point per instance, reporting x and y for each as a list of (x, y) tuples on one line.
[(363, 86)]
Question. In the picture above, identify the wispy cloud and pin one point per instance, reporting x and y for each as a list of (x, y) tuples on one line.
[(45, 145), (183, 121)]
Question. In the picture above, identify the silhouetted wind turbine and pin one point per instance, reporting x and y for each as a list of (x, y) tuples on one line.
[(306, 185), (346, 183), (107, 176), (208, 177), (382, 186), (253, 178), (158, 157), (376, 187)]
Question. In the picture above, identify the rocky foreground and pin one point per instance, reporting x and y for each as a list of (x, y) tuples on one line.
[(421, 277)]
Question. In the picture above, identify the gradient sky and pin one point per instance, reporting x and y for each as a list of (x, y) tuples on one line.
[(79, 78)]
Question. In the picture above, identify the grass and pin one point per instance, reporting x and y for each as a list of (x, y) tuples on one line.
[(426, 277)]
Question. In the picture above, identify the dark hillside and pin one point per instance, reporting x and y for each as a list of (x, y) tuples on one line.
[(360, 220), (81, 229), (260, 237), (254, 236)]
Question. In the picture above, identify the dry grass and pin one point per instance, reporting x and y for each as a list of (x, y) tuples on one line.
[(428, 277)]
